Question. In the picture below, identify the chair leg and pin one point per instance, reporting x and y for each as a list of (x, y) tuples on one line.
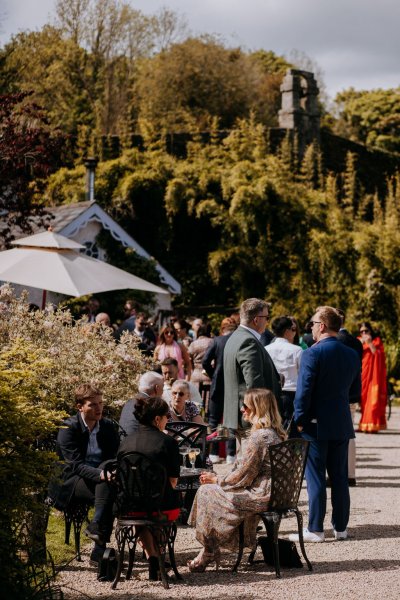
[(77, 539), (241, 546), (132, 551), (120, 536), (171, 550), (301, 540), (68, 524), (272, 526)]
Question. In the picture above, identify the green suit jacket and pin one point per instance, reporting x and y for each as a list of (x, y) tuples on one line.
[(246, 365)]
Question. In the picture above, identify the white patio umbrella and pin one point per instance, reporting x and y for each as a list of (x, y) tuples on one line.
[(53, 262)]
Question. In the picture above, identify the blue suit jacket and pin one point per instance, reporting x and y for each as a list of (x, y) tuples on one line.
[(328, 376)]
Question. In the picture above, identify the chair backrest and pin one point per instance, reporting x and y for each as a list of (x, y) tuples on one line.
[(288, 461), (187, 433), (140, 483)]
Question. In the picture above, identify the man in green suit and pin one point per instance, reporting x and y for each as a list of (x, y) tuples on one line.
[(246, 363)]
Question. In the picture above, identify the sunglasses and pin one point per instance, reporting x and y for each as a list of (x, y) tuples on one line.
[(245, 408), (364, 330), (180, 394), (168, 333)]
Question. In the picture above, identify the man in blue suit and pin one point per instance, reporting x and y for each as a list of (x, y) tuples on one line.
[(328, 376)]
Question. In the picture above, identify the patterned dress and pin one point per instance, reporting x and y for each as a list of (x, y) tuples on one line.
[(219, 508)]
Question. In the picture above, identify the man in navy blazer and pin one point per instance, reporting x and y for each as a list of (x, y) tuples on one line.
[(328, 376)]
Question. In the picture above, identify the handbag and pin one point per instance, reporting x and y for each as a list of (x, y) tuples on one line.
[(108, 564), (288, 555)]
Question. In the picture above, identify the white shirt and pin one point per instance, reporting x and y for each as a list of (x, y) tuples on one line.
[(253, 331), (286, 358)]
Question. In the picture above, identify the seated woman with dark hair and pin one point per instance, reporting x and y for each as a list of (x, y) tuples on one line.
[(150, 440)]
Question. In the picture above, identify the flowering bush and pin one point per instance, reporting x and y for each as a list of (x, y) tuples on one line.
[(77, 351), (43, 356)]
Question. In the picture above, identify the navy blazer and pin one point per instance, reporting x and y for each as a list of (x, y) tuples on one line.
[(352, 342), (72, 443), (328, 376)]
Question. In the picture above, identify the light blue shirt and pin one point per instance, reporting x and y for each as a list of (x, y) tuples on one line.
[(93, 454)]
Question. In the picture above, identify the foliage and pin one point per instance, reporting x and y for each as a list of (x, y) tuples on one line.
[(44, 356), (370, 117), (233, 220), (198, 80), (78, 351), (27, 411), (102, 68), (81, 68), (29, 152)]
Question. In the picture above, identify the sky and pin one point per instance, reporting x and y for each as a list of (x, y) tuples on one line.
[(356, 43)]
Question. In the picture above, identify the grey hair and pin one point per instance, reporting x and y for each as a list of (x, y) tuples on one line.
[(148, 380), (250, 308), (183, 383)]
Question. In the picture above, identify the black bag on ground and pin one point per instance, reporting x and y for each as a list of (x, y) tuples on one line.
[(107, 565), (288, 555)]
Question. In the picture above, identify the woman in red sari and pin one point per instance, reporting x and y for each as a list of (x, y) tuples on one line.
[(373, 380)]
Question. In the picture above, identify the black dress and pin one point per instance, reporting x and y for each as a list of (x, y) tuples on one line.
[(161, 448)]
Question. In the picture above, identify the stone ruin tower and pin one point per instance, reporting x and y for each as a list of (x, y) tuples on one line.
[(300, 111)]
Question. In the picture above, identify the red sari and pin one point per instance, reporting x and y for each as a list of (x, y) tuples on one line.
[(373, 388)]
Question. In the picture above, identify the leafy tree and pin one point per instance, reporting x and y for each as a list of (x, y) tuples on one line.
[(267, 95), (29, 152), (233, 220), (196, 81), (370, 117)]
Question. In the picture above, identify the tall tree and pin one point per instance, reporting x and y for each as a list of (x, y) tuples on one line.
[(29, 152), (370, 117)]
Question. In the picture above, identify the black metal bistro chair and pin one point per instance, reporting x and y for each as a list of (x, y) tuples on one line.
[(138, 485), (77, 511), (190, 434), (288, 461)]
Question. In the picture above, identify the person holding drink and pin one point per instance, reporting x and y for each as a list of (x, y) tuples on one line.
[(220, 506)]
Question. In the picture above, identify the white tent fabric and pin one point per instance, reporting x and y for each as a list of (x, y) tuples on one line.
[(52, 262)]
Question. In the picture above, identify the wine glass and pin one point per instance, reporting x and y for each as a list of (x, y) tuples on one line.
[(193, 453), (184, 451)]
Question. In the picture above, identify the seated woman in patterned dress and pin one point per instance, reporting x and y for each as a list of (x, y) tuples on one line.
[(220, 506)]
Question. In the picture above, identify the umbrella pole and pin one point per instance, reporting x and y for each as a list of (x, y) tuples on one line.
[(44, 294)]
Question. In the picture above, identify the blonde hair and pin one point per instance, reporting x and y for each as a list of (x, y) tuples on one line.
[(263, 410), (330, 317)]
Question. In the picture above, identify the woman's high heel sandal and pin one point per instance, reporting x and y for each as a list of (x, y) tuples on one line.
[(202, 560)]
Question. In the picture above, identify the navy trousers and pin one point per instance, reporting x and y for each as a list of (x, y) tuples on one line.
[(327, 456)]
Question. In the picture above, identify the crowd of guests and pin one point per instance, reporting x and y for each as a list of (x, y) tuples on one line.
[(265, 385)]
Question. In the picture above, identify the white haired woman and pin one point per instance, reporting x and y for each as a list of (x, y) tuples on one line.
[(181, 407)]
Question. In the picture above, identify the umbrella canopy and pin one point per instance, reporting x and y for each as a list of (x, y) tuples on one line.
[(52, 262)]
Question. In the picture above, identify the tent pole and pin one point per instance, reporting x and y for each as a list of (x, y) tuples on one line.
[(44, 294)]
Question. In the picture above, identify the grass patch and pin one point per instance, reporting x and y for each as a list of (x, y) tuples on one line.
[(55, 535)]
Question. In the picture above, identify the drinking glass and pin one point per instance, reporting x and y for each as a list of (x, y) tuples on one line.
[(193, 453), (184, 451)]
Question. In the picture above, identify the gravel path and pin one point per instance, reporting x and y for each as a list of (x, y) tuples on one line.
[(366, 566)]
